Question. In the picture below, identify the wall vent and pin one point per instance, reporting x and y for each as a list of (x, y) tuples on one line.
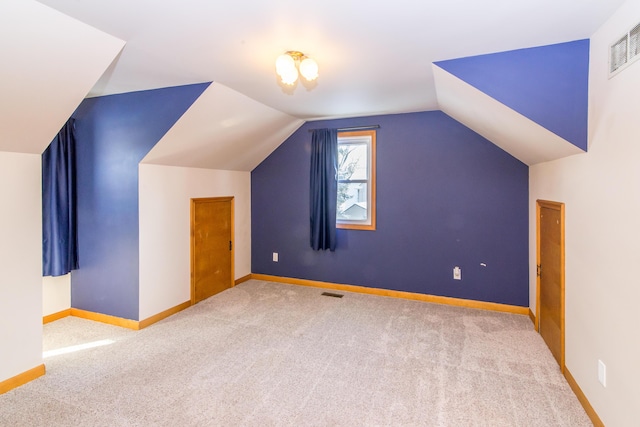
[(624, 51)]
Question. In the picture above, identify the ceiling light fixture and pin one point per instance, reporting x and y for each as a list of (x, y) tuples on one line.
[(288, 64)]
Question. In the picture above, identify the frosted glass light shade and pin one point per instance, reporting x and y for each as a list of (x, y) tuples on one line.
[(289, 76), (309, 69), (286, 69), (288, 64)]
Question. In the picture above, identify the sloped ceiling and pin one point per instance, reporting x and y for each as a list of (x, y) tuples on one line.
[(223, 130), (375, 57), (373, 60), (518, 135), (50, 62), (531, 102)]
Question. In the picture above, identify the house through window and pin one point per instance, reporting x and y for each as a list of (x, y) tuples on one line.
[(356, 207)]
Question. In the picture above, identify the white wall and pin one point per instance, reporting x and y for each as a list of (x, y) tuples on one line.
[(601, 192), (20, 263), (56, 294), (165, 193)]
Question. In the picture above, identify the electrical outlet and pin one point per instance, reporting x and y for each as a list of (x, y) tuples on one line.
[(457, 273), (602, 373), (275, 257)]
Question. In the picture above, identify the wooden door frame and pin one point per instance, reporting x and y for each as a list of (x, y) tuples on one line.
[(560, 207), (193, 240)]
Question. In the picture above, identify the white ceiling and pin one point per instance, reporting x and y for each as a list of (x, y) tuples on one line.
[(375, 56), (230, 141), (49, 62)]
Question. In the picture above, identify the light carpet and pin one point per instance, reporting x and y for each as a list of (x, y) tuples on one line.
[(267, 354)]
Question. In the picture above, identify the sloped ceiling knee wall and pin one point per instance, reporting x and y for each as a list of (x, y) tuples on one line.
[(50, 62), (530, 102)]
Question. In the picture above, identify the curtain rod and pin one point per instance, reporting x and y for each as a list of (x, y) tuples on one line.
[(353, 128)]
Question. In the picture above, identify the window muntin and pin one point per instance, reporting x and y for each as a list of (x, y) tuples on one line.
[(356, 180)]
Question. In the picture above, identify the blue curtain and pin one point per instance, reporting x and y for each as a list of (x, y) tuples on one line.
[(324, 188), (59, 221)]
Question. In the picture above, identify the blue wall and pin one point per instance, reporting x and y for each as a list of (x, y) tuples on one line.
[(445, 197), (547, 84), (114, 133)]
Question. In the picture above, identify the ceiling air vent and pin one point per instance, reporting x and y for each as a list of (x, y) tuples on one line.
[(624, 51)]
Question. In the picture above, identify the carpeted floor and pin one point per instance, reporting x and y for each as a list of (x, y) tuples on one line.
[(267, 354)]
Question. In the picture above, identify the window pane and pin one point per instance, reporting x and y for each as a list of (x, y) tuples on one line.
[(356, 180), (352, 161), (352, 201)]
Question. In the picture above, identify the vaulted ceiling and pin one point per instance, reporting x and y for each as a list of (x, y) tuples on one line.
[(375, 57)]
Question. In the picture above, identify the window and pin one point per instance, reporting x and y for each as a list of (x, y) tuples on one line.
[(356, 207)]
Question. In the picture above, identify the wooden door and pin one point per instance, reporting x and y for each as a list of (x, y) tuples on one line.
[(211, 246), (550, 283)]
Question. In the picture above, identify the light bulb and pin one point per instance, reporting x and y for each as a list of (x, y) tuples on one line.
[(284, 65), (289, 76), (309, 69)]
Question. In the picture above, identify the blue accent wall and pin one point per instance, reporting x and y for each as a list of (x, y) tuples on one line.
[(114, 133), (445, 197), (547, 84)]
